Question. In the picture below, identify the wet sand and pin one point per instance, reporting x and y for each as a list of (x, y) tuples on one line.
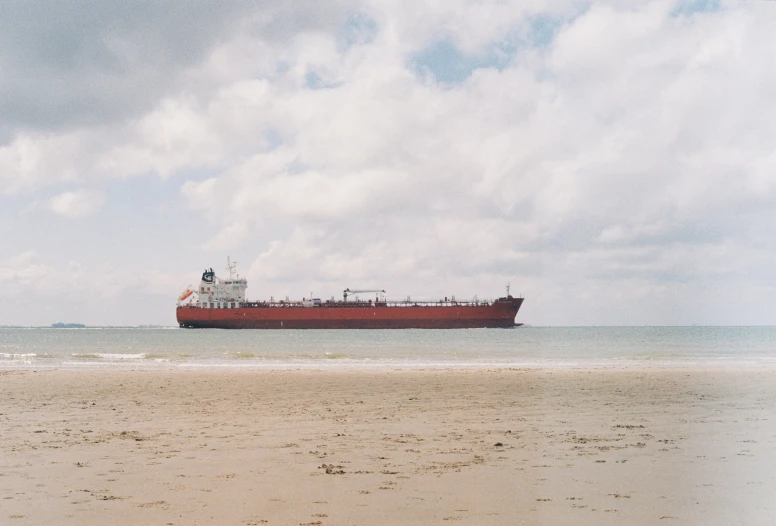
[(547, 446)]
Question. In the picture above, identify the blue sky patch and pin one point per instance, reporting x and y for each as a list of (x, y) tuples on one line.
[(543, 31), (360, 29), (273, 139), (445, 64), (314, 81), (690, 7)]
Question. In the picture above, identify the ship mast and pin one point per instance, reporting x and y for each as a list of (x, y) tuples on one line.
[(231, 267)]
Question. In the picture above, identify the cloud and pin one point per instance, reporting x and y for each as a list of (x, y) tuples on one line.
[(23, 270), (78, 64), (591, 153), (79, 203), (599, 147)]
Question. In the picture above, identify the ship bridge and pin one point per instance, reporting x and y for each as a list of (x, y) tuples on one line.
[(217, 293)]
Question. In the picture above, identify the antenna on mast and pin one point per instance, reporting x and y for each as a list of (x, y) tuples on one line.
[(231, 267), (508, 287)]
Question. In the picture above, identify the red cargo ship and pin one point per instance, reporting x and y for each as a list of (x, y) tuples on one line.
[(221, 304)]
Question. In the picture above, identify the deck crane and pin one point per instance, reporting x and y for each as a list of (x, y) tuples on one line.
[(347, 292)]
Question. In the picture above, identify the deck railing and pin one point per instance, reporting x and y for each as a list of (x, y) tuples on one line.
[(358, 304), (364, 304)]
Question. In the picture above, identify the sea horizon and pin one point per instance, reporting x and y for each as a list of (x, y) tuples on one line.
[(518, 325)]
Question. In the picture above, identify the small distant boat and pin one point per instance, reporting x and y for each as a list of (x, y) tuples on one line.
[(61, 325), (221, 304)]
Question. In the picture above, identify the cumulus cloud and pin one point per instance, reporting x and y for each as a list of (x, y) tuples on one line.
[(91, 64), (596, 153), (25, 272), (79, 203)]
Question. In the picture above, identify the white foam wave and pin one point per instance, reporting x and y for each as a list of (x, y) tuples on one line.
[(117, 356)]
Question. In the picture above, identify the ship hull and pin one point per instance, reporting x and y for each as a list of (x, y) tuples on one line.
[(499, 314)]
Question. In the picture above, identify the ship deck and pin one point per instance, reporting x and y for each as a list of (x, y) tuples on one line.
[(365, 304)]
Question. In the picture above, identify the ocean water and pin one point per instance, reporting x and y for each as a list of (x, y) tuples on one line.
[(174, 348)]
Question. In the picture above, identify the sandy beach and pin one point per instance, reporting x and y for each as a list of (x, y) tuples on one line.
[(539, 446)]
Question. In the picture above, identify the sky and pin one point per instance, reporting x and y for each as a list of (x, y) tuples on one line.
[(613, 161)]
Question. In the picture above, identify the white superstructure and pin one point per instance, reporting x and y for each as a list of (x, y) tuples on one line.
[(217, 293)]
